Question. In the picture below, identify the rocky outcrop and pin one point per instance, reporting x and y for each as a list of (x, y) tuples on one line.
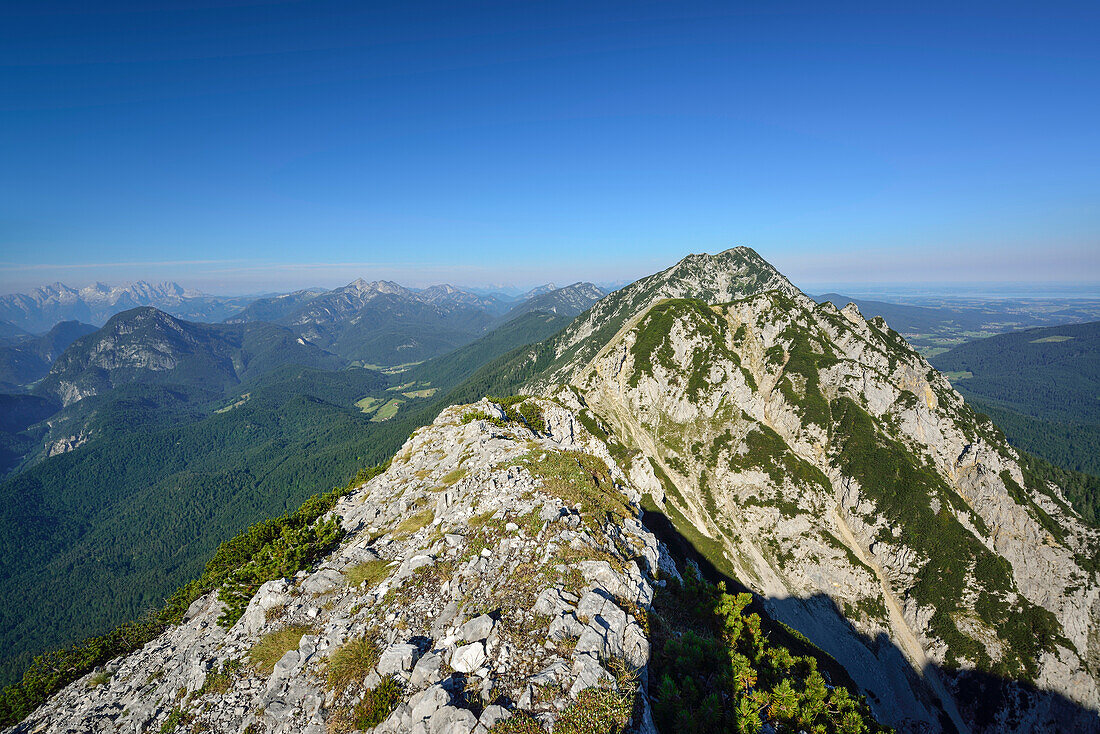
[(469, 580)]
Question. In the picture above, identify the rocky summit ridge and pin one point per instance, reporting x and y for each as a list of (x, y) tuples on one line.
[(496, 570), (550, 561)]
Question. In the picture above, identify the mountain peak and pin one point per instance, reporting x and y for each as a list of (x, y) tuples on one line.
[(365, 287), (727, 276), (724, 276), (139, 316), (568, 301)]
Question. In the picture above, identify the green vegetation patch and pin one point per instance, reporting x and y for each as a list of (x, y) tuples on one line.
[(294, 549), (518, 409), (904, 492), (177, 717), (367, 404), (597, 711), (766, 450), (958, 375), (803, 360), (715, 668), (453, 476), (652, 344), (352, 662), (413, 523), (520, 722), (272, 646), (378, 703), (388, 410), (99, 679), (370, 573), (575, 478), (219, 681), (620, 453)]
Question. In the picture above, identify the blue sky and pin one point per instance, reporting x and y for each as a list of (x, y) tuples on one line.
[(247, 146)]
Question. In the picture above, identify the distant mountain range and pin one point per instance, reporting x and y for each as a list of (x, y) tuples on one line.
[(568, 301), (145, 345), (369, 322), (385, 324), (43, 307)]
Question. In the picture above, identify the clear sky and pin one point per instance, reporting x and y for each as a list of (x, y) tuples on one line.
[(246, 146)]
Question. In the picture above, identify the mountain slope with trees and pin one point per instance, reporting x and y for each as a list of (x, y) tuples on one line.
[(1041, 386)]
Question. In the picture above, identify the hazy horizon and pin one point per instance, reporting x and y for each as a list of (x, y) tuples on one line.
[(900, 290)]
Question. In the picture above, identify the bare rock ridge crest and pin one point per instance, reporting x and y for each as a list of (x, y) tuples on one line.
[(464, 572), (798, 448)]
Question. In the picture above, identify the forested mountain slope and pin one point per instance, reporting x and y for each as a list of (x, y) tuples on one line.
[(148, 346), (1051, 373), (1041, 386), (26, 360), (448, 370), (95, 536)]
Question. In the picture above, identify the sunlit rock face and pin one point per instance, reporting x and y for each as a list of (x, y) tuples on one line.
[(821, 461)]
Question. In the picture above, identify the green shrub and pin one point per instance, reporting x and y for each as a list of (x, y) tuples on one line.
[(379, 703), (221, 680), (597, 711), (481, 415), (520, 722), (517, 409), (532, 416), (293, 550), (176, 717), (715, 670)]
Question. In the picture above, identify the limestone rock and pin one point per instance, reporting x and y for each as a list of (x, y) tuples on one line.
[(468, 658)]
